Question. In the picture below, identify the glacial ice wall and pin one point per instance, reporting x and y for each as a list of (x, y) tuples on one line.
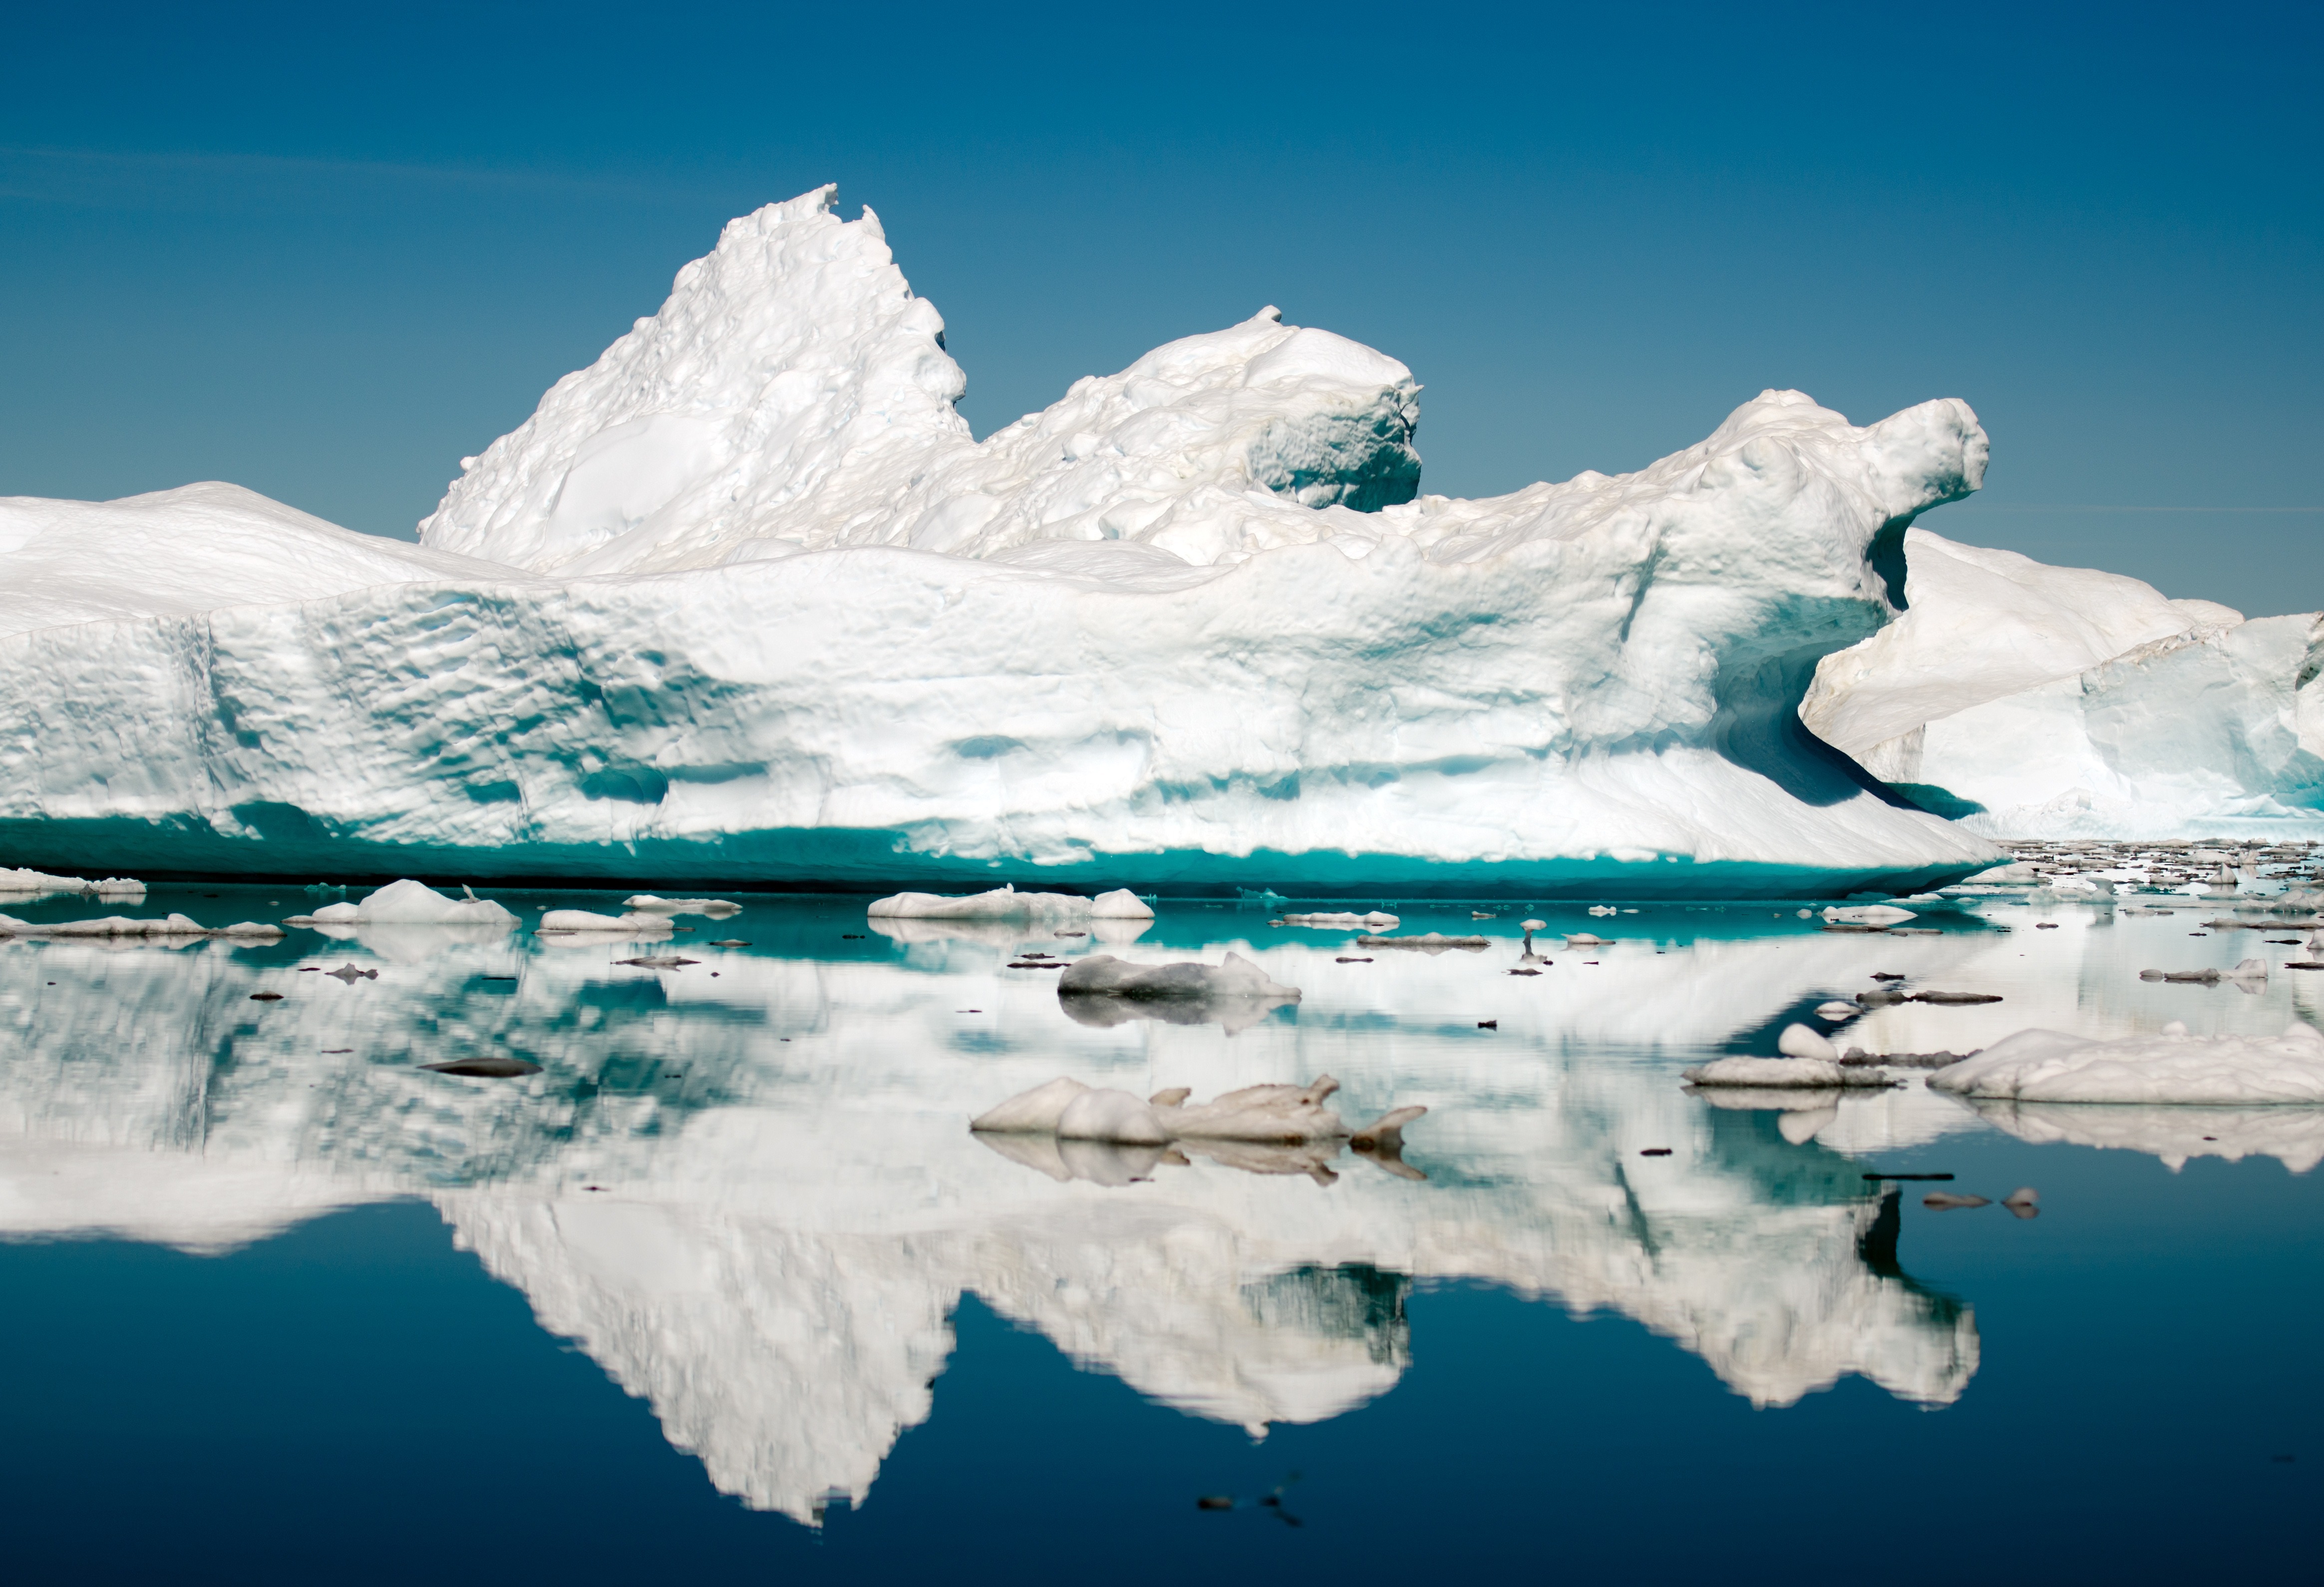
[(2033, 701), (744, 600)]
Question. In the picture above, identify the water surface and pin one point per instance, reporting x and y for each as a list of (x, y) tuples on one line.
[(729, 1283)]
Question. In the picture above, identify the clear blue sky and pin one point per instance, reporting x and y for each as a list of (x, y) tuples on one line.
[(325, 251)]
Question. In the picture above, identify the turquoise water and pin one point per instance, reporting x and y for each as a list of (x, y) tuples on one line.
[(728, 1284)]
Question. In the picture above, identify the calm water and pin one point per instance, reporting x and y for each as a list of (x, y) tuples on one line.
[(729, 1286)]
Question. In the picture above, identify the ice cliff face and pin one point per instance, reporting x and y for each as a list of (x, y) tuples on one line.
[(2035, 701), (745, 599)]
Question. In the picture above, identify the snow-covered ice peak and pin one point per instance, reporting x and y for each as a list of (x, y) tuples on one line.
[(793, 395)]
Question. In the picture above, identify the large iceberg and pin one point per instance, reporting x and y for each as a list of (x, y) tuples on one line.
[(746, 600), (2033, 701)]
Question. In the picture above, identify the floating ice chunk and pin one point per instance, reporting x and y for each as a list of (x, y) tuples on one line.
[(1103, 975), (645, 903), (411, 903), (586, 922), (36, 881), (1798, 1041), (1784, 1074), (1430, 942), (1255, 1114), (1869, 915), (2053, 1066), (1120, 904), (1583, 939), (1006, 903), (174, 926), (1836, 1010), (1602, 909), (1281, 1113), (2250, 974), (1034, 1112), (1377, 920), (21, 883), (1106, 1114)]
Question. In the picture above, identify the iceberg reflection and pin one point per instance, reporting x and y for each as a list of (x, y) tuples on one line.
[(754, 1201)]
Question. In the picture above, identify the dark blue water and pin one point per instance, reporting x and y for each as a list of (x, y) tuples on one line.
[(233, 1385)]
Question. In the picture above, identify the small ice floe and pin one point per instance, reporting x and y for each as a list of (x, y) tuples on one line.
[(410, 903), (2024, 1202), (659, 962), (1006, 903), (645, 903), (1837, 1010), (1377, 920), (1433, 942), (350, 974), (730, 942), (1809, 1061), (1945, 998), (2172, 1067), (1945, 1201), (39, 884), (122, 926), (1104, 975), (1583, 939), (1602, 909), (1868, 915), (1258, 1115), (2251, 975), (488, 1068), (585, 922)]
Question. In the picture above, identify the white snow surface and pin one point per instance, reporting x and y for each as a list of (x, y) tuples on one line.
[(745, 597), (2173, 1066), (2071, 703), (184, 552)]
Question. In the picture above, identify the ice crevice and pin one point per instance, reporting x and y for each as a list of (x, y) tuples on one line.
[(731, 602)]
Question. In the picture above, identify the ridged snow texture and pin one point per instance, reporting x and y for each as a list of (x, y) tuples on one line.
[(2062, 702), (745, 599)]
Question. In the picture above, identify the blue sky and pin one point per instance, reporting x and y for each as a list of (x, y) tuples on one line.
[(325, 251)]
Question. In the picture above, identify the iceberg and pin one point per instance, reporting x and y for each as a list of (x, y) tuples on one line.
[(2031, 701), (746, 600)]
